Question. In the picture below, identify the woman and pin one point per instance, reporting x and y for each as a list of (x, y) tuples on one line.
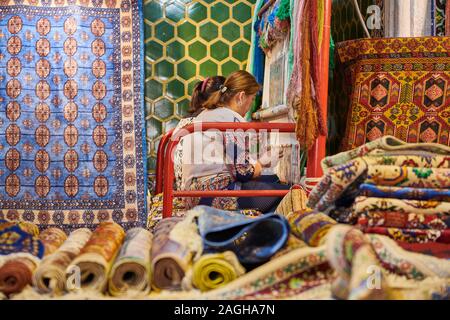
[(202, 91), (221, 161)]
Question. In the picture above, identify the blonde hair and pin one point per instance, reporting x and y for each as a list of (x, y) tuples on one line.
[(236, 82)]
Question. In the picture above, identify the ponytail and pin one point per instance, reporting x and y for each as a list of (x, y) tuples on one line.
[(203, 91), (236, 82)]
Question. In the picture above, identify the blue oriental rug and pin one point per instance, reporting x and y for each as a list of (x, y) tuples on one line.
[(72, 141)]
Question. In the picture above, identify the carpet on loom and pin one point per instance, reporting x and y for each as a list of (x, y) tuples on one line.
[(72, 116)]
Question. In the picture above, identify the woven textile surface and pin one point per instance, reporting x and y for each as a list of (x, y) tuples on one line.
[(399, 88), (71, 113)]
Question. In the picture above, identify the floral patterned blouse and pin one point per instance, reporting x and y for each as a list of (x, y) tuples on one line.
[(237, 168)]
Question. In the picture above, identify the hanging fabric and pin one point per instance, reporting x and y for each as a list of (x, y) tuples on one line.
[(303, 83)]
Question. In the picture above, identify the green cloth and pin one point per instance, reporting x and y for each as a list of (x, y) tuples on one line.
[(332, 47), (291, 40), (284, 10)]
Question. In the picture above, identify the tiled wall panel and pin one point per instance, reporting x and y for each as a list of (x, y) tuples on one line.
[(186, 41)]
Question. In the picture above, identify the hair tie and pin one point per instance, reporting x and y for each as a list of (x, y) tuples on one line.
[(204, 83), (223, 88)]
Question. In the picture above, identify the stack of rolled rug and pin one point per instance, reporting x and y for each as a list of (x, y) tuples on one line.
[(50, 276), (391, 188), (131, 270), (96, 257)]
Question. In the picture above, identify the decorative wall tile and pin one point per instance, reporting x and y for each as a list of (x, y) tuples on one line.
[(185, 41)]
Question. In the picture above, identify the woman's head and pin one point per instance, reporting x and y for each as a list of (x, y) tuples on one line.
[(202, 91), (237, 93)]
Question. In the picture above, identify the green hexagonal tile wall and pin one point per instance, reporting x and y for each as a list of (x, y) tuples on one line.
[(185, 41)]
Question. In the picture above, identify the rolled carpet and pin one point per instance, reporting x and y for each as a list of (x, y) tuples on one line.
[(131, 270), (52, 238), (293, 201), (50, 275), (351, 255), (370, 190), (20, 237), (404, 220), (412, 235), (96, 257), (214, 270), (16, 274), (310, 226), (170, 259), (397, 176), (368, 204)]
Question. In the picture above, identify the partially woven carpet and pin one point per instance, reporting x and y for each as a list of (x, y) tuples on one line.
[(71, 113)]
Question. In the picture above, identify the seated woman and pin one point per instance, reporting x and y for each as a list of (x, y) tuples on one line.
[(201, 93), (231, 167)]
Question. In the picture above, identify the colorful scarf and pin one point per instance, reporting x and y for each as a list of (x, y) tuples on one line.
[(170, 259), (131, 269), (50, 275), (302, 88), (97, 256), (397, 176), (216, 270), (370, 190), (406, 220)]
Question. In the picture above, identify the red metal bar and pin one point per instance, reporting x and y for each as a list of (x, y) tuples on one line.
[(318, 151), (160, 160), (231, 193), (168, 173)]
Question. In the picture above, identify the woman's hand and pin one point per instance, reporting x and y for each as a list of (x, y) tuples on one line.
[(270, 157)]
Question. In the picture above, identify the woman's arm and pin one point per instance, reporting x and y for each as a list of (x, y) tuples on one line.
[(237, 158)]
